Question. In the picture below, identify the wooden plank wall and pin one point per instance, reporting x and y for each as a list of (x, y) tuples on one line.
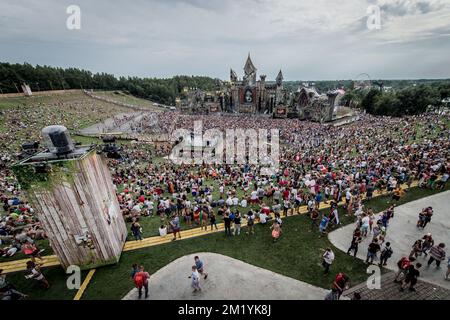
[(87, 203)]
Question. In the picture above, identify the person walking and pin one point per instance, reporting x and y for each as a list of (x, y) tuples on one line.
[(195, 279), (411, 276), (327, 260), (372, 251), (437, 254), (141, 281), (200, 267), (340, 284), (356, 240), (427, 244), (403, 265), (386, 253), (416, 249), (136, 230)]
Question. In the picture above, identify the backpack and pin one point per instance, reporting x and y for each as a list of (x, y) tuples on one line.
[(387, 252), (404, 263), (139, 279)]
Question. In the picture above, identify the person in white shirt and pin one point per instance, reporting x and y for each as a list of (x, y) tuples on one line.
[(254, 196), (365, 223), (162, 231), (262, 217), (235, 201), (244, 203), (328, 258)]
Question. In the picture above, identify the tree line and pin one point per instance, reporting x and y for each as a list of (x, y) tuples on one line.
[(411, 100), (41, 78)]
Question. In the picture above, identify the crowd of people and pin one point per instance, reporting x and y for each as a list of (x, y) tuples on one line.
[(318, 164)]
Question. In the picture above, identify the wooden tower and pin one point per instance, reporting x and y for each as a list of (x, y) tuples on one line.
[(74, 198)]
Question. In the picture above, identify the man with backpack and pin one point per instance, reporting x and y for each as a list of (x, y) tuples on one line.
[(141, 281), (386, 253), (411, 276), (403, 265)]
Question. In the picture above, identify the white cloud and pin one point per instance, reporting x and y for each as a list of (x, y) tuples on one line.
[(309, 39)]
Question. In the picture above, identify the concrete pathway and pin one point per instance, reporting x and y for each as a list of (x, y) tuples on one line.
[(402, 233), (228, 279)]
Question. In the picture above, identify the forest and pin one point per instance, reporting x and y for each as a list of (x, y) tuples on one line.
[(41, 78)]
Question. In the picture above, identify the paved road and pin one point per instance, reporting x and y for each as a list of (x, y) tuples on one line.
[(108, 125), (228, 279), (402, 233)]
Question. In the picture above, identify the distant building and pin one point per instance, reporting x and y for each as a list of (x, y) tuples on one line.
[(250, 95)]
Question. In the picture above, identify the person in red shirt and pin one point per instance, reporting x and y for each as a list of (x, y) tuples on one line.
[(141, 281)]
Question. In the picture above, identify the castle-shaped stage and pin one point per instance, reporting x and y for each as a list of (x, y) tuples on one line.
[(252, 96)]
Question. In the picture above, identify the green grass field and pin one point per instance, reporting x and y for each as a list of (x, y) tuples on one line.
[(297, 255), (120, 96)]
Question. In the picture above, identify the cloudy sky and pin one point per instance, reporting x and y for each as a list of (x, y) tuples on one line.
[(307, 39)]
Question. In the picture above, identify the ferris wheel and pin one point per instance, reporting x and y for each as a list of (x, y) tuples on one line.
[(362, 81)]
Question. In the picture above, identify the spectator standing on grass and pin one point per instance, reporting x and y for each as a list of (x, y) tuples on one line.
[(276, 231), (437, 254), (251, 222), (227, 223), (175, 224), (237, 224), (134, 270), (212, 220), (314, 218), (327, 260), (136, 230), (323, 225)]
